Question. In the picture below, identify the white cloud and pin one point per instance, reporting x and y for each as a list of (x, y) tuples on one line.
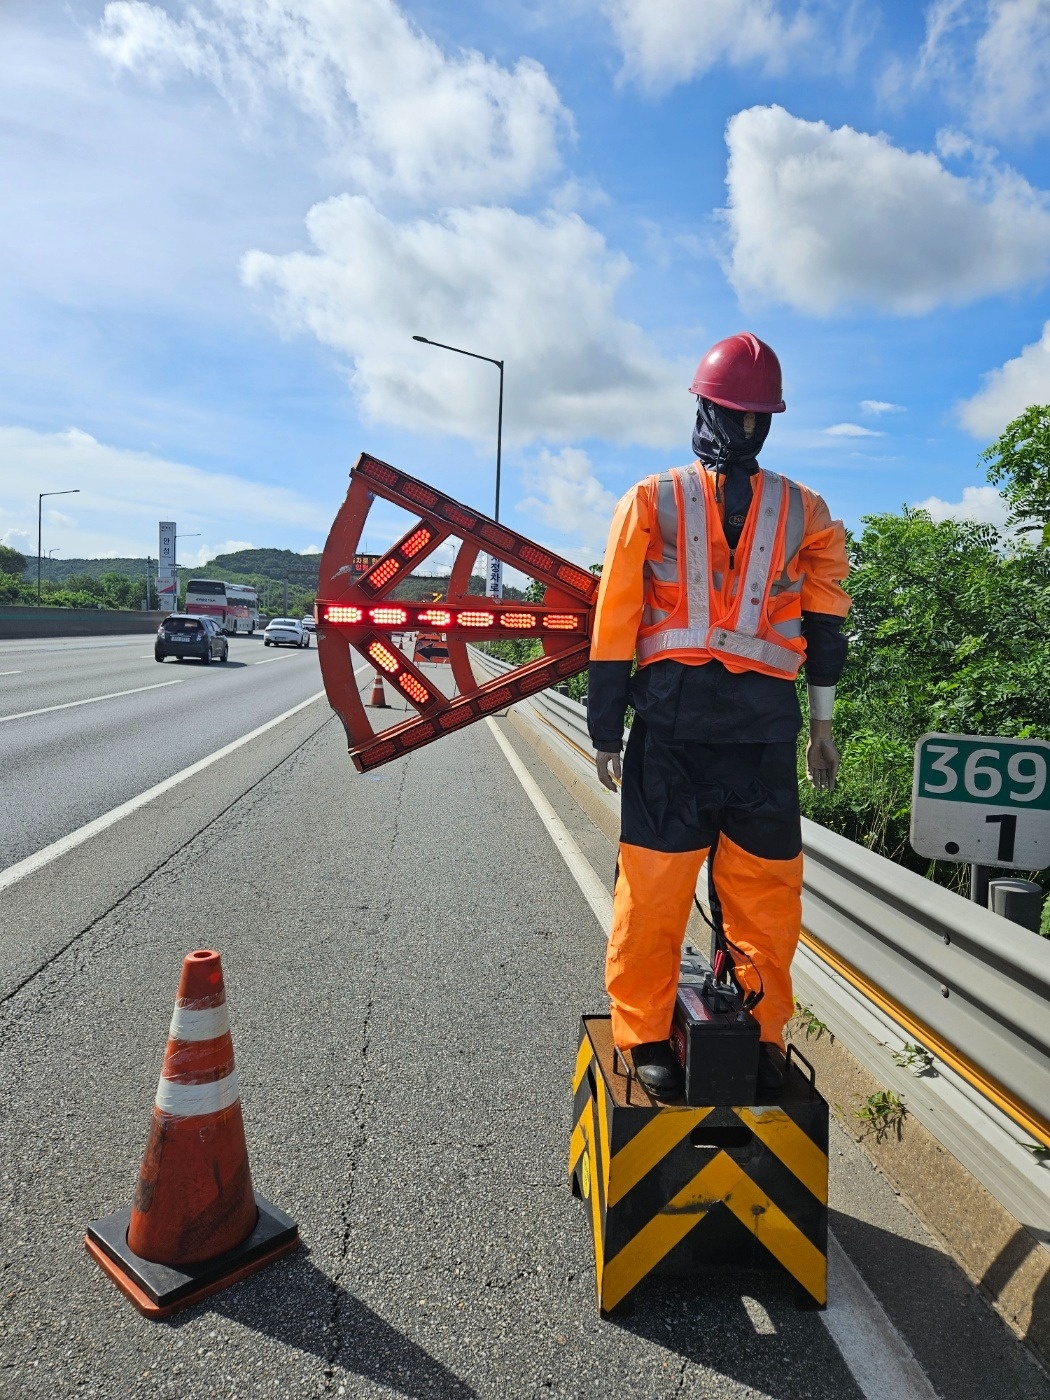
[(1006, 392), (981, 503), (823, 219), (993, 58), (123, 494), (875, 407), (852, 430), (538, 292), (396, 113), (674, 40), (570, 499)]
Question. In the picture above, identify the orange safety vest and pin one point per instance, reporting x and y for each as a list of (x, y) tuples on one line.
[(749, 618)]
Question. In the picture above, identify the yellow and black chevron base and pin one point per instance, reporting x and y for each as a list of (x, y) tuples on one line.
[(677, 1190)]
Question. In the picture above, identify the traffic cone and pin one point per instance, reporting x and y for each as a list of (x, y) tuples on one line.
[(378, 700), (195, 1225)]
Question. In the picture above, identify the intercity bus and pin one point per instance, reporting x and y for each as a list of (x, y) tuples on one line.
[(234, 606)]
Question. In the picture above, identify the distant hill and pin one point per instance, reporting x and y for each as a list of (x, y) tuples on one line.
[(261, 568)]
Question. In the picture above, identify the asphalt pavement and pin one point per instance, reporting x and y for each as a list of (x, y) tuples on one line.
[(87, 723), (406, 959)]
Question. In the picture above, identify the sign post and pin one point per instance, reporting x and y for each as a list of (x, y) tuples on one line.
[(167, 584), (982, 801), (494, 580)]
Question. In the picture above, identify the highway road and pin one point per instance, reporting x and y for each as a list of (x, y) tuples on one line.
[(87, 723), (406, 958)]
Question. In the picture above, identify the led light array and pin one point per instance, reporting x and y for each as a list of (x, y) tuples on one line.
[(396, 617), (496, 695), (384, 659), (400, 557), (441, 507)]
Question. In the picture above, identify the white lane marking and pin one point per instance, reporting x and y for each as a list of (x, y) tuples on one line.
[(874, 1351), (190, 1100), (40, 858), (208, 1024), (595, 893), (10, 673), (267, 659), (92, 700), (877, 1355)]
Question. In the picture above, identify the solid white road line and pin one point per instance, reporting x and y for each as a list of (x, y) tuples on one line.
[(40, 858), (595, 893), (877, 1356), (872, 1348), (93, 700)]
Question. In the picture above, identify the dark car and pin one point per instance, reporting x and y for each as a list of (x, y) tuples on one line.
[(182, 635)]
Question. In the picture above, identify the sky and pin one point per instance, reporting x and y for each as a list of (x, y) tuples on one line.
[(223, 222)]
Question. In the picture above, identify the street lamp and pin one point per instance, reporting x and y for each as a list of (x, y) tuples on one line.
[(56, 550), (499, 425), (195, 535), (75, 491)]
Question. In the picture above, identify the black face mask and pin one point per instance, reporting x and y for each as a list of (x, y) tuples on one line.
[(719, 440)]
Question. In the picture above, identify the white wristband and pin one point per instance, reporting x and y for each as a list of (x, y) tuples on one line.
[(821, 701)]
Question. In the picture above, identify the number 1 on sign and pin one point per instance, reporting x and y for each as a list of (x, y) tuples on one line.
[(1007, 835)]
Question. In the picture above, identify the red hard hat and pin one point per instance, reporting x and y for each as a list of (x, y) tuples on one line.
[(740, 372)]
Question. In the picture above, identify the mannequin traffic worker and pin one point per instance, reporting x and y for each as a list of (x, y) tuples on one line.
[(721, 580)]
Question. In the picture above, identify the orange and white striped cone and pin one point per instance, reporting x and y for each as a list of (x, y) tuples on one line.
[(195, 1215), (378, 700)]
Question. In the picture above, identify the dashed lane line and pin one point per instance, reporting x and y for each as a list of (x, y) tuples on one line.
[(43, 857), (10, 673), (878, 1357), (91, 700)]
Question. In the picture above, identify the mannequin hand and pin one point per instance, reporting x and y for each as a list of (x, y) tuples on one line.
[(603, 762), (822, 757)]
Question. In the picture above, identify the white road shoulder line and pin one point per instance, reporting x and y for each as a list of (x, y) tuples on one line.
[(40, 858), (875, 1352), (595, 893), (877, 1356), (92, 700)]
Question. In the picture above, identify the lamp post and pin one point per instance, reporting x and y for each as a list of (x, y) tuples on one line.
[(74, 491), (56, 550), (195, 535), (496, 567)]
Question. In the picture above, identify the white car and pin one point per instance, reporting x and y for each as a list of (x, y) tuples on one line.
[(309, 625), (285, 632)]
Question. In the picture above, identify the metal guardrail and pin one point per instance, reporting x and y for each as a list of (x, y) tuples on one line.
[(888, 959)]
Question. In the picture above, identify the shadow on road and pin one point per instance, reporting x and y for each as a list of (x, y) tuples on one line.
[(712, 1323), (298, 1306)]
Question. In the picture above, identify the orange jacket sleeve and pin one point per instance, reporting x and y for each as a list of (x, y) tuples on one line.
[(822, 560), (622, 591)]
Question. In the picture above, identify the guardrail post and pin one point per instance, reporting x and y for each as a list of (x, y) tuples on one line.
[(1020, 901), (979, 877)]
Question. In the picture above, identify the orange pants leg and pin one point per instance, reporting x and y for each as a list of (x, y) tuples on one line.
[(762, 912), (651, 904)]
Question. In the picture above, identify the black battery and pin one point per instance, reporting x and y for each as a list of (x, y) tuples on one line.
[(715, 1040)]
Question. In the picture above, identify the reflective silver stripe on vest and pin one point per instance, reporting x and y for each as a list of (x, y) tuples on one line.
[(664, 569), (794, 533), (697, 563), (760, 558), (755, 649)]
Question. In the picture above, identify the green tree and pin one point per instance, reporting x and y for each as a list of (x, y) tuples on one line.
[(11, 561), (1020, 461), (947, 632)]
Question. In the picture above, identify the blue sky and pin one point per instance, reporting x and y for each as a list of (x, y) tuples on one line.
[(224, 221)]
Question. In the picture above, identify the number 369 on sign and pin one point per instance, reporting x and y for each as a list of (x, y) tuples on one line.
[(981, 800)]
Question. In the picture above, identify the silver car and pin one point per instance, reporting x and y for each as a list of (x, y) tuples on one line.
[(285, 632)]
